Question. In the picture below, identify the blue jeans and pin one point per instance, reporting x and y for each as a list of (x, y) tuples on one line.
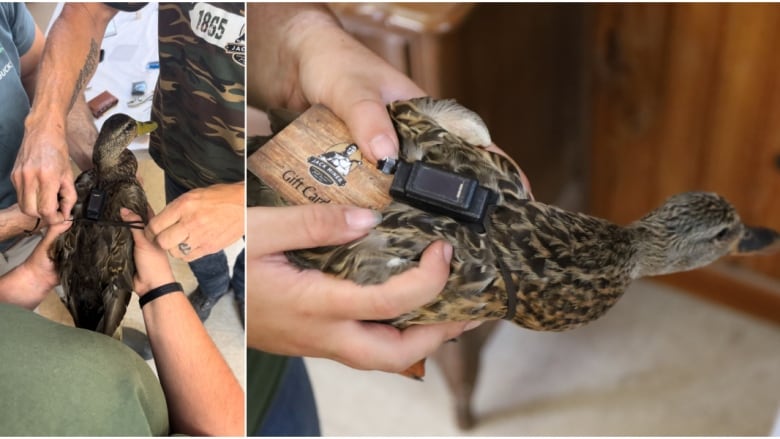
[(211, 271), (293, 411)]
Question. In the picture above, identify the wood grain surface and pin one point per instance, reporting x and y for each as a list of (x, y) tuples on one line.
[(300, 163), (687, 97)]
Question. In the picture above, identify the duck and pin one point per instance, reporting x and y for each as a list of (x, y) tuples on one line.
[(94, 257), (534, 264)]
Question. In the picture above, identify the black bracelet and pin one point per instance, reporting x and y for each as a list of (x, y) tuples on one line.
[(30, 232), (159, 291)]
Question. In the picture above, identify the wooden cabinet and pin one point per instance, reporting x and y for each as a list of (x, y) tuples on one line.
[(687, 97), (410, 36)]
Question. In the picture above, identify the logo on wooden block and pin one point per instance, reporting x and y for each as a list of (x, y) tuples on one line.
[(333, 166)]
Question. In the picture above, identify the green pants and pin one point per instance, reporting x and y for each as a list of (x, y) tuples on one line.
[(57, 380)]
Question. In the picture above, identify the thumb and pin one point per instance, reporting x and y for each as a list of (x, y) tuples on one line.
[(53, 231), (130, 216), (371, 128), (276, 229), (362, 106)]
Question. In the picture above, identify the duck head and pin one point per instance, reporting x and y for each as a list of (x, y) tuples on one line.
[(117, 132), (691, 230)]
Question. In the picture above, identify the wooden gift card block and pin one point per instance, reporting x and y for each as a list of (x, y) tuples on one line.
[(313, 160)]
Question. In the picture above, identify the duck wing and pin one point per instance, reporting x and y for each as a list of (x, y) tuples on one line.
[(63, 250), (115, 252)]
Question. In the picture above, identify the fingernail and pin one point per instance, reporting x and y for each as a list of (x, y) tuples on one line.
[(383, 146), (124, 211), (447, 252), (362, 219), (471, 325)]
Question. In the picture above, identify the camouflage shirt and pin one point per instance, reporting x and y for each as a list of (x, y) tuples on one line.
[(199, 99)]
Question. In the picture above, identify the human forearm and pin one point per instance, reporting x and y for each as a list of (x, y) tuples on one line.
[(13, 222), (80, 127), (203, 395), (81, 133), (42, 174), (70, 58)]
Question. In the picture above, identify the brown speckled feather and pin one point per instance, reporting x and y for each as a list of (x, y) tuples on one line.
[(569, 268), (95, 261)]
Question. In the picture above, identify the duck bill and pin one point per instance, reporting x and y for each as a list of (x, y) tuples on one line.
[(757, 240), (145, 127)]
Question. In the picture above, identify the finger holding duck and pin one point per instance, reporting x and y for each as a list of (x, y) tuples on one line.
[(152, 266), (306, 312), (40, 258)]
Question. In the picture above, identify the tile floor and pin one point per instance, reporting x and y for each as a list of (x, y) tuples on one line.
[(660, 363)]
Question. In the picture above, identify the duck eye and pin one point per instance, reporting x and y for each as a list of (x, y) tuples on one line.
[(722, 233)]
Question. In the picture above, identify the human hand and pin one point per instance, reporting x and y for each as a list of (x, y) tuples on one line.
[(13, 222), (305, 57), (29, 283), (310, 313), (39, 269), (151, 262), (356, 88), (207, 219), (42, 172)]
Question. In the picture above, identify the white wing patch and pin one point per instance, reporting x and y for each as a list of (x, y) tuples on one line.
[(458, 120)]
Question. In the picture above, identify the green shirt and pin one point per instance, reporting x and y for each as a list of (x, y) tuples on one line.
[(264, 373), (57, 380)]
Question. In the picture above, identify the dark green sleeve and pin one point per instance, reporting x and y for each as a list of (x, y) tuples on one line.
[(264, 371)]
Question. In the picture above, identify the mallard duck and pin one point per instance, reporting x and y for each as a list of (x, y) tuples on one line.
[(94, 257), (542, 267)]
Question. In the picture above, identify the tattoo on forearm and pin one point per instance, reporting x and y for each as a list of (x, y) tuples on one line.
[(90, 65)]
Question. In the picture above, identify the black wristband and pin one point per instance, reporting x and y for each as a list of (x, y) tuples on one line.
[(159, 291), (30, 232)]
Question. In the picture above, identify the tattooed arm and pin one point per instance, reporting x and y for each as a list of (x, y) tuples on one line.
[(81, 130), (81, 133), (70, 57)]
